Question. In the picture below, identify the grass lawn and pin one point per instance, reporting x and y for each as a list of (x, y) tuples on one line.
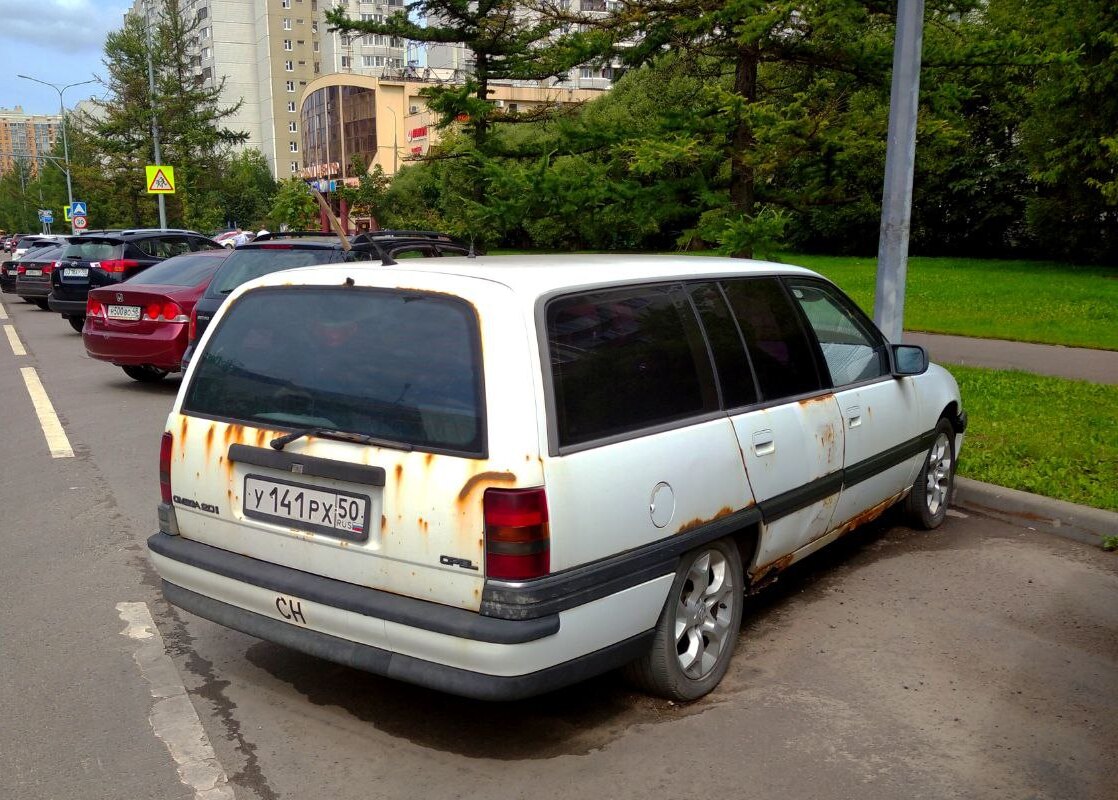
[(1044, 435), (1025, 301)]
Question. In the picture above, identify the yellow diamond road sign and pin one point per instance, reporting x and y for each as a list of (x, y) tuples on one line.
[(160, 179)]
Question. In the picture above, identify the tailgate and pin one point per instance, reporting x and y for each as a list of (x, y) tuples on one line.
[(407, 523)]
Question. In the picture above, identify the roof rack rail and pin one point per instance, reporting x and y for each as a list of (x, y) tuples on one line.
[(367, 235), (159, 230), (294, 235)]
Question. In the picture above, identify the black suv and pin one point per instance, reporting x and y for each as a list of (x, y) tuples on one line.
[(102, 258), (273, 252)]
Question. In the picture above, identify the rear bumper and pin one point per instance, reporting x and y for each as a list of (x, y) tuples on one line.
[(68, 308), (25, 289), (449, 649), (160, 348)]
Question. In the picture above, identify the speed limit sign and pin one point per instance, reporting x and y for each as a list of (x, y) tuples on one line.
[(80, 223)]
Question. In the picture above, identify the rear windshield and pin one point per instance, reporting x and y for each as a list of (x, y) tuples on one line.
[(44, 253), (403, 366), (187, 270), (244, 265), (91, 251)]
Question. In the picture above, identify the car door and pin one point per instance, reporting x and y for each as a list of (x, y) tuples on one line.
[(880, 413), (790, 436)]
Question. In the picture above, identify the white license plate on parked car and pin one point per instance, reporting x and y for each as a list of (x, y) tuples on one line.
[(34, 273), (341, 514), (75, 272), (131, 313)]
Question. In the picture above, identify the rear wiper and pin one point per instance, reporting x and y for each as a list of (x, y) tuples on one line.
[(281, 442)]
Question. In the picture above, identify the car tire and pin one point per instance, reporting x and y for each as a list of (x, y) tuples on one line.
[(145, 373), (706, 598), (77, 323), (935, 483), (42, 304)]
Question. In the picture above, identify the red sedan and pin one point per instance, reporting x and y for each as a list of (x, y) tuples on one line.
[(141, 324)]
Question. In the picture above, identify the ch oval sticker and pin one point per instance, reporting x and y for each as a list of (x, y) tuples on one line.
[(662, 505)]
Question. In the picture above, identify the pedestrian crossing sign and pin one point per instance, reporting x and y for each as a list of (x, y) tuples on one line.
[(160, 179)]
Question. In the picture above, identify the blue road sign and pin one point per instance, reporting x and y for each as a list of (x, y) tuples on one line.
[(48, 218), (79, 209)]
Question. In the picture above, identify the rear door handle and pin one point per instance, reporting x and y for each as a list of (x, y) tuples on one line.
[(853, 417), (764, 442)]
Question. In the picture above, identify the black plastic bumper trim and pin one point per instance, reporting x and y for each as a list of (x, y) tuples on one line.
[(65, 306), (453, 680), (409, 611), (580, 585)]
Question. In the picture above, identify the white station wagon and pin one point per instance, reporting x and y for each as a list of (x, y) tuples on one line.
[(497, 476)]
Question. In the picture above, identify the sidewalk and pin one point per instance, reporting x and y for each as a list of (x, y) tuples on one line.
[(1077, 363)]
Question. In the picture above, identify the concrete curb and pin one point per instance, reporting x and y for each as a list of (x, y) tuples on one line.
[(1033, 511)]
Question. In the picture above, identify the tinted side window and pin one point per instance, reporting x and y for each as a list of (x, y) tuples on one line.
[(414, 252), (852, 348), (625, 360), (734, 375), (778, 345)]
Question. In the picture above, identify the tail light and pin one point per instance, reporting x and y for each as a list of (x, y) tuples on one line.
[(93, 308), (517, 540), (165, 446), (164, 312), (20, 269), (192, 327), (118, 265), (49, 268)]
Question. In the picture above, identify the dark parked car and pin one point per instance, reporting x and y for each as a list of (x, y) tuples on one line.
[(104, 259), (273, 252), (141, 324), (8, 276), (33, 273), (10, 270)]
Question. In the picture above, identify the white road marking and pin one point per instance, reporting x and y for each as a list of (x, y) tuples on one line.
[(172, 717), (13, 340), (953, 513), (3, 312), (57, 442)]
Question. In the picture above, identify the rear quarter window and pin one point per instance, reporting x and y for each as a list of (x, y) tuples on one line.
[(401, 366), (625, 360)]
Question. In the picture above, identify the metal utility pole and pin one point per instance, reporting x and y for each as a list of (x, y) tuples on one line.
[(154, 119), (395, 146), (65, 142), (896, 199)]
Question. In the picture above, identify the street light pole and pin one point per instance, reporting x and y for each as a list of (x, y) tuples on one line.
[(65, 143), (154, 118)]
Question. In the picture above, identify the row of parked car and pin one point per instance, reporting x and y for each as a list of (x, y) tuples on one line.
[(141, 297)]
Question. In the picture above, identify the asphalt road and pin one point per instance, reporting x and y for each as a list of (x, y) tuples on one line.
[(977, 661)]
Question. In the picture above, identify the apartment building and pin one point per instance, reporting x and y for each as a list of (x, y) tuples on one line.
[(26, 137), (266, 51)]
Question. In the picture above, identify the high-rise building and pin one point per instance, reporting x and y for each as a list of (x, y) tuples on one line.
[(25, 138), (266, 51)]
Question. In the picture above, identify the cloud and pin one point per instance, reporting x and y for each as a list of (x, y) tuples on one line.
[(65, 26)]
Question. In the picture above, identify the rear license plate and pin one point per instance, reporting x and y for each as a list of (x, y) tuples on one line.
[(75, 272), (34, 273), (131, 313), (341, 514)]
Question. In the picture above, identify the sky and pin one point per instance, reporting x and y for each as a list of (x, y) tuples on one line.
[(58, 41)]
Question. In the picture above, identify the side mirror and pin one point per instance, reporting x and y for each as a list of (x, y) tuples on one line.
[(909, 359)]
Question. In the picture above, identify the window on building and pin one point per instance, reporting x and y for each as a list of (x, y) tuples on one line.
[(203, 12), (285, 3), (291, 86), (291, 106), (345, 61), (206, 52), (204, 33), (287, 45), (316, 47), (586, 72), (293, 146), (288, 66), (287, 23), (294, 167), (292, 127)]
